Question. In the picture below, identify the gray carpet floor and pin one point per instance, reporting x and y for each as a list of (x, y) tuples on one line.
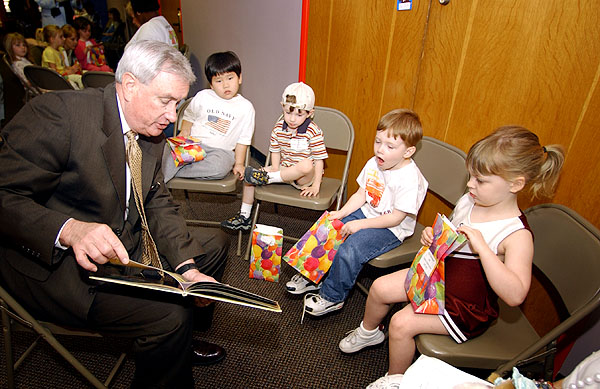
[(264, 349)]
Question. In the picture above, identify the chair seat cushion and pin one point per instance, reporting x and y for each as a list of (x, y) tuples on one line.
[(506, 338), (225, 185), (403, 254), (288, 195)]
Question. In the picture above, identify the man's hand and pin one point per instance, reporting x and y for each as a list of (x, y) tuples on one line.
[(238, 170), (92, 241), (194, 275)]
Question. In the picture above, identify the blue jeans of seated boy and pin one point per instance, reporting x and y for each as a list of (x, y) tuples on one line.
[(358, 249), (216, 165)]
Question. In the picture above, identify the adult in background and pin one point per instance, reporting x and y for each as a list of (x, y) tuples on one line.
[(153, 26), (66, 189), (56, 12)]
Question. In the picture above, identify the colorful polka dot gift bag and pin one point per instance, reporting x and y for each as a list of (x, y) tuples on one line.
[(313, 254), (265, 257), (185, 150), (425, 282)]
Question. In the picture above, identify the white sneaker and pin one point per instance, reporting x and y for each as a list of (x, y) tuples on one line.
[(299, 285), (356, 340), (316, 305), (387, 382)]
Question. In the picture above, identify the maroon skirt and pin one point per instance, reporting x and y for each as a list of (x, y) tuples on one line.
[(470, 301)]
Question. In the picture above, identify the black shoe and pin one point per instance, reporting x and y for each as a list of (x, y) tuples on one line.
[(256, 177), (204, 353), (237, 222)]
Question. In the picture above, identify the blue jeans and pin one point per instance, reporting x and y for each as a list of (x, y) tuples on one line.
[(357, 249)]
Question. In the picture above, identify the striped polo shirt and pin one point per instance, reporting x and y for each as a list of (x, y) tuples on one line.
[(295, 145)]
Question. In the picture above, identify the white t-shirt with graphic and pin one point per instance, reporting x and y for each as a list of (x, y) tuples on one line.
[(403, 189), (218, 122)]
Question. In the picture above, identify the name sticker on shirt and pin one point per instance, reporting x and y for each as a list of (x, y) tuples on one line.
[(299, 144), (428, 262)]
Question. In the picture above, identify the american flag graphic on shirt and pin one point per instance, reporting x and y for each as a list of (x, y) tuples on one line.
[(221, 125)]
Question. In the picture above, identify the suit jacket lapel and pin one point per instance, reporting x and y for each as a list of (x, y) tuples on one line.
[(114, 147)]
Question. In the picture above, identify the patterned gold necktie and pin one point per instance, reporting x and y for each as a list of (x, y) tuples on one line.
[(134, 159)]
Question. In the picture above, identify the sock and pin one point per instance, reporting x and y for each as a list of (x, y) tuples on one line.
[(275, 177), (246, 210), (367, 332)]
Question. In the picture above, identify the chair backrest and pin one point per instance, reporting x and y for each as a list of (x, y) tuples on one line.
[(36, 54), (97, 79), (46, 78), (180, 112), (567, 251), (443, 166)]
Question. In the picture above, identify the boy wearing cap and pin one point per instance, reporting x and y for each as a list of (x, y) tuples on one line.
[(297, 153)]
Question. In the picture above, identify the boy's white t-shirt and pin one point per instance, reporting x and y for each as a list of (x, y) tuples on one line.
[(403, 189), (219, 122)]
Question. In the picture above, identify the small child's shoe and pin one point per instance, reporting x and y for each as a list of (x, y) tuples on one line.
[(358, 339), (299, 285), (316, 305), (387, 382), (237, 222), (256, 177)]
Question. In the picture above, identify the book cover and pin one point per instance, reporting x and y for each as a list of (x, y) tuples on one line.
[(265, 256), (150, 277), (425, 282), (313, 254)]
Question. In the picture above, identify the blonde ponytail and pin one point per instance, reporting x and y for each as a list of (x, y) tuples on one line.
[(545, 183)]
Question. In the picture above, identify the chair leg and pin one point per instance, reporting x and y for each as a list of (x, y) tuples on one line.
[(48, 337), (6, 332), (239, 245), (254, 220)]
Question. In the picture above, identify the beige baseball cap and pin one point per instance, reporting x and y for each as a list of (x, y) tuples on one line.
[(299, 95)]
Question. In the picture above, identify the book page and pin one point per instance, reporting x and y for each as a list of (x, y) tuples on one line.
[(432, 373)]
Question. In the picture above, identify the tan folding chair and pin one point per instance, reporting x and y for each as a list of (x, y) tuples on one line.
[(226, 185), (339, 135), (15, 317), (443, 166), (97, 79), (46, 79), (566, 252)]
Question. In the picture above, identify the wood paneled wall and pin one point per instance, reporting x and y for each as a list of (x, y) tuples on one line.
[(466, 68)]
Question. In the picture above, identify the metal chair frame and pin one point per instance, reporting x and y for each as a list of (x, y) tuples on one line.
[(15, 317), (338, 132)]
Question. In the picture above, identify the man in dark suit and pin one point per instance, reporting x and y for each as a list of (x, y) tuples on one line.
[(67, 207)]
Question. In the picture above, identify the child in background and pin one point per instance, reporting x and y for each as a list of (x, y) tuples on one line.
[(89, 53), (53, 58), (221, 118), (114, 20), (17, 50), (495, 261), (297, 153), (379, 216), (69, 46)]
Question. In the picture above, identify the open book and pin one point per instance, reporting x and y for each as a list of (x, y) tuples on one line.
[(150, 277)]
